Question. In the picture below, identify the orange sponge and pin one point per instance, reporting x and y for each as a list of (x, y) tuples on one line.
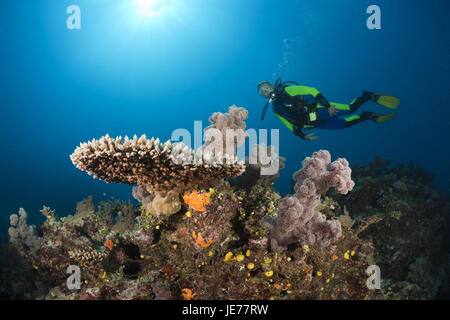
[(196, 200)]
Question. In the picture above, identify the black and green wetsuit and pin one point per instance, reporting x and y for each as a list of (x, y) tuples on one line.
[(301, 108)]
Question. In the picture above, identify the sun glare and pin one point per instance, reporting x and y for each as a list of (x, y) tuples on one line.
[(151, 8)]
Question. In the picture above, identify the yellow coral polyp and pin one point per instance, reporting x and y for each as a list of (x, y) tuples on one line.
[(240, 258), (196, 200), (269, 273), (228, 256), (251, 266)]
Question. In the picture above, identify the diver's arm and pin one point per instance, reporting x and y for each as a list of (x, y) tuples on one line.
[(299, 132), (310, 136), (304, 90), (321, 99)]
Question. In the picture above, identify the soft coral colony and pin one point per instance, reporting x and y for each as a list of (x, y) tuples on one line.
[(217, 229)]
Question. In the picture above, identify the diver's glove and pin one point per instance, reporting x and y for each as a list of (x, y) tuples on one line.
[(298, 132), (332, 110), (310, 137)]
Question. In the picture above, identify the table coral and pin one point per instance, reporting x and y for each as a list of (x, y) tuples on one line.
[(153, 166)]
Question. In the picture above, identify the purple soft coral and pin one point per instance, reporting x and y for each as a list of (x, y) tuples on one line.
[(297, 220), (231, 129)]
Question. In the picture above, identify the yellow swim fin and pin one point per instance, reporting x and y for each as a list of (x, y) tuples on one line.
[(387, 101), (380, 118)]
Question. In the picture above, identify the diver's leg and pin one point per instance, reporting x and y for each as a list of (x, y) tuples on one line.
[(355, 119), (358, 102)]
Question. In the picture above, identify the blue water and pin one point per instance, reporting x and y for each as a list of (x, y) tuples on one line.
[(124, 74)]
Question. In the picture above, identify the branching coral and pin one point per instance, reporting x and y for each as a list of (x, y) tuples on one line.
[(298, 220), (22, 236), (87, 257), (162, 169)]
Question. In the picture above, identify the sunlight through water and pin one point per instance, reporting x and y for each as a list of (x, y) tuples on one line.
[(151, 8)]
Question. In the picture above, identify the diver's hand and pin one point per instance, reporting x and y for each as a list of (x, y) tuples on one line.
[(311, 137), (332, 110)]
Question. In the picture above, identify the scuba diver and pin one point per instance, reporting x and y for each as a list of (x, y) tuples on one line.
[(303, 108)]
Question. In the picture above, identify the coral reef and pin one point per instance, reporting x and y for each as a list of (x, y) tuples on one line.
[(217, 251), (223, 252), (298, 220), (234, 239), (195, 255)]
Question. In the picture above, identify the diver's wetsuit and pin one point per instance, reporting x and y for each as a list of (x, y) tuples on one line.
[(301, 107)]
